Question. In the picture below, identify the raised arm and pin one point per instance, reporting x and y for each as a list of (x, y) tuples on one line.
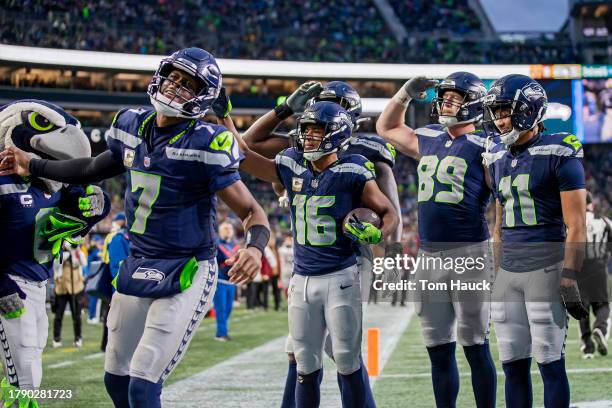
[(390, 124), (260, 137), (75, 171)]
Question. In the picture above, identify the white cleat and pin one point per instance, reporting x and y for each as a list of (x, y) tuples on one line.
[(78, 343), (57, 344), (601, 341)]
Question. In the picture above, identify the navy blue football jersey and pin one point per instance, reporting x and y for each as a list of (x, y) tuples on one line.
[(452, 192), (319, 202), (372, 147), (24, 209), (173, 174), (527, 181)]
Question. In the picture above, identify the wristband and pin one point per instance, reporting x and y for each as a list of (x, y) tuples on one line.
[(402, 97), (569, 273), (283, 111), (258, 236)]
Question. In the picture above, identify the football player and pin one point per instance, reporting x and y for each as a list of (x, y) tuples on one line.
[(324, 291), (375, 149), (38, 217), (452, 200), (538, 181), (176, 166)]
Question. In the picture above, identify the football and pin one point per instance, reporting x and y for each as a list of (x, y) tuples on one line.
[(362, 215)]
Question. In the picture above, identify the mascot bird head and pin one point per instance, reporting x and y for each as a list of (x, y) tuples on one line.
[(44, 130)]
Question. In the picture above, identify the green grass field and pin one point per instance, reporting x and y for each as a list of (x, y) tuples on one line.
[(85, 375), (395, 389), (404, 382)]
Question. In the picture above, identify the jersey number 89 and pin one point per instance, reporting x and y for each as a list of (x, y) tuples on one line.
[(450, 170)]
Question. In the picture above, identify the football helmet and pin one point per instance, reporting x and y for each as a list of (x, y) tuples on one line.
[(200, 65), (471, 109), (337, 124), (525, 100), (343, 94)]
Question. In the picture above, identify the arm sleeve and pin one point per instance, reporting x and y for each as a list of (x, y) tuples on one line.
[(78, 171), (570, 174)]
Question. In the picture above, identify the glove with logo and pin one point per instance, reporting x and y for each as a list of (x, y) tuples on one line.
[(93, 203), (60, 228), (362, 232)]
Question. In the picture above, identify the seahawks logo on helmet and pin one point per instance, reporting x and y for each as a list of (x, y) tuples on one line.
[(533, 91)]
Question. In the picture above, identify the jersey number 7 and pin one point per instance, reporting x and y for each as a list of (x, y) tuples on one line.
[(150, 184)]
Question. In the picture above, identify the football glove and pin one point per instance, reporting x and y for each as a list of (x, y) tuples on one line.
[(416, 87), (305, 92), (222, 106), (572, 302), (9, 397), (93, 203), (11, 298), (60, 228), (363, 232)]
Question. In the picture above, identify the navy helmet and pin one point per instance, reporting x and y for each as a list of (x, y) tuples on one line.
[(525, 100), (343, 94), (470, 110), (337, 123), (199, 64)]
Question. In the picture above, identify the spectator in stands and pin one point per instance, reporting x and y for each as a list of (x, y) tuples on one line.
[(285, 253), (224, 296), (272, 253), (69, 285), (94, 253)]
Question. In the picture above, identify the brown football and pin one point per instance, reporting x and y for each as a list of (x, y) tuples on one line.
[(363, 215)]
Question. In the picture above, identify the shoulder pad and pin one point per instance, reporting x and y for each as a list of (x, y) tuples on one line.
[(558, 144), (292, 160), (355, 163), (379, 148)]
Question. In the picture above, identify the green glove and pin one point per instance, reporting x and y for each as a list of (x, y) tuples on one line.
[(8, 396), (363, 232), (62, 227), (93, 203)]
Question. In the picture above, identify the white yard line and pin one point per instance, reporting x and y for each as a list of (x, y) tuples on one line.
[(501, 373), (256, 378), (62, 364)]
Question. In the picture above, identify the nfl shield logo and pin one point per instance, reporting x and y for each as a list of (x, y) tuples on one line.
[(314, 183), (296, 184), (128, 157), (147, 161), (448, 143), (513, 164)]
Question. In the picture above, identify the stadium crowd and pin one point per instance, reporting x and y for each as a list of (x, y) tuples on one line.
[(332, 31)]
